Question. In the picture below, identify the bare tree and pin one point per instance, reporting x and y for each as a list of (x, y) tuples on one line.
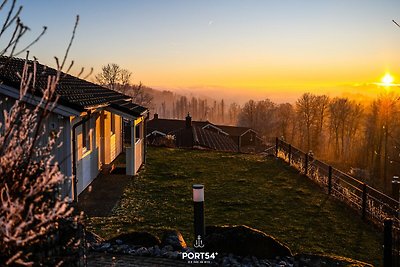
[(116, 78), (29, 177), (247, 116), (285, 116), (306, 107), (139, 94)]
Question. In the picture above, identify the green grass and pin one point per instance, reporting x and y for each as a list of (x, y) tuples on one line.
[(263, 193)]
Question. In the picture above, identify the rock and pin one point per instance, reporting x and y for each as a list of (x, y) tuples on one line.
[(244, 241), (175, 239), (143, 239), (282, 263), (167, 248), (142, 251), (119, 241), (157, 251), (105, 247)]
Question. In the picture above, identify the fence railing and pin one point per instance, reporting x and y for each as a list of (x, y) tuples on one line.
[(371, 204)]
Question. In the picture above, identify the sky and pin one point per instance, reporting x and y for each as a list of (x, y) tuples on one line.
[(249, 49)]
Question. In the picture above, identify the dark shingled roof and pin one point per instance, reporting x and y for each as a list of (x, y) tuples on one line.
[(193, 136), (213, 140), (73, 92)]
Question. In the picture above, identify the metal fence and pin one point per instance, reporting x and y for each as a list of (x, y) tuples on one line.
[(373, 205)]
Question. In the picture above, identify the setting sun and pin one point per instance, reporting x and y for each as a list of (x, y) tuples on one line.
[(387, 80)]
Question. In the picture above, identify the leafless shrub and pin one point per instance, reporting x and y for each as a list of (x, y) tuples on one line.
[(31, 208)]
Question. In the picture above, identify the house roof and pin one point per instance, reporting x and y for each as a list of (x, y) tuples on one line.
[(168, 126), (213, 140), (235, 130), (73, 92), (193, 136)]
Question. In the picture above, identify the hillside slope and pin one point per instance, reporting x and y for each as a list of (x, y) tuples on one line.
[(263, 193)]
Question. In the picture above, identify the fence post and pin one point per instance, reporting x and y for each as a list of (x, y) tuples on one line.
[(364, 200), (330, 180), (276, 146), (290, 153), (387, 240), (306, 163)]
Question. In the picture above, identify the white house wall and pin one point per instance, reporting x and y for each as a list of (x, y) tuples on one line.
[(87, 165), (62, 150)]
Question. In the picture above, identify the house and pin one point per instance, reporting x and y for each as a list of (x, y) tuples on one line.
[(246, 139), (90, 120), (203, 134), (189, 134)]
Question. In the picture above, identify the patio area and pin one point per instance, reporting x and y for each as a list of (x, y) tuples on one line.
[(103, 194)]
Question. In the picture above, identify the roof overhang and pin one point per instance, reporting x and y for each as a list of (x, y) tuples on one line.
[(35, 100), (121, 113)]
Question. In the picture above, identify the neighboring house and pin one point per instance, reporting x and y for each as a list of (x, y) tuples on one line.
[(202, 134), (90, 120), (245, 138)]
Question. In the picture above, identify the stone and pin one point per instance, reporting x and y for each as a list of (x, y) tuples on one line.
[(173, 238), (142, 239), (157, 251), (105, 246), (282, 263), (168, 248), (119, 242), (244, 241), (142, 251)]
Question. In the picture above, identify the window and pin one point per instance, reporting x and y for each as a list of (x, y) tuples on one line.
[(138, 132), (112, 123), (86, 135)]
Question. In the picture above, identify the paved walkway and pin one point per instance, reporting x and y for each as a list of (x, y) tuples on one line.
[(106, 260), (100, 197)]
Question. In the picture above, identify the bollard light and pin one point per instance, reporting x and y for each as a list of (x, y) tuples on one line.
[(199, 226)]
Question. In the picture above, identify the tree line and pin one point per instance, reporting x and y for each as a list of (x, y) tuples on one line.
[(360, 136), (363, 137)]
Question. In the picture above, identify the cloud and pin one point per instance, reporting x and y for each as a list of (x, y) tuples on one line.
[(210, 22)]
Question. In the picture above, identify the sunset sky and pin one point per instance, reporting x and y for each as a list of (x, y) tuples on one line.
[(276, 49)]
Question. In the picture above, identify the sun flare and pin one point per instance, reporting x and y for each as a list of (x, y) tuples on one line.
[(387, 80)]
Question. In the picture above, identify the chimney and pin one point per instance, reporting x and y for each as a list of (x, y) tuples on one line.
[(155, 116), (188, 121)]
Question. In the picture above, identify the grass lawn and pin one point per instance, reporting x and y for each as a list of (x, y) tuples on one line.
[(263, 193)]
